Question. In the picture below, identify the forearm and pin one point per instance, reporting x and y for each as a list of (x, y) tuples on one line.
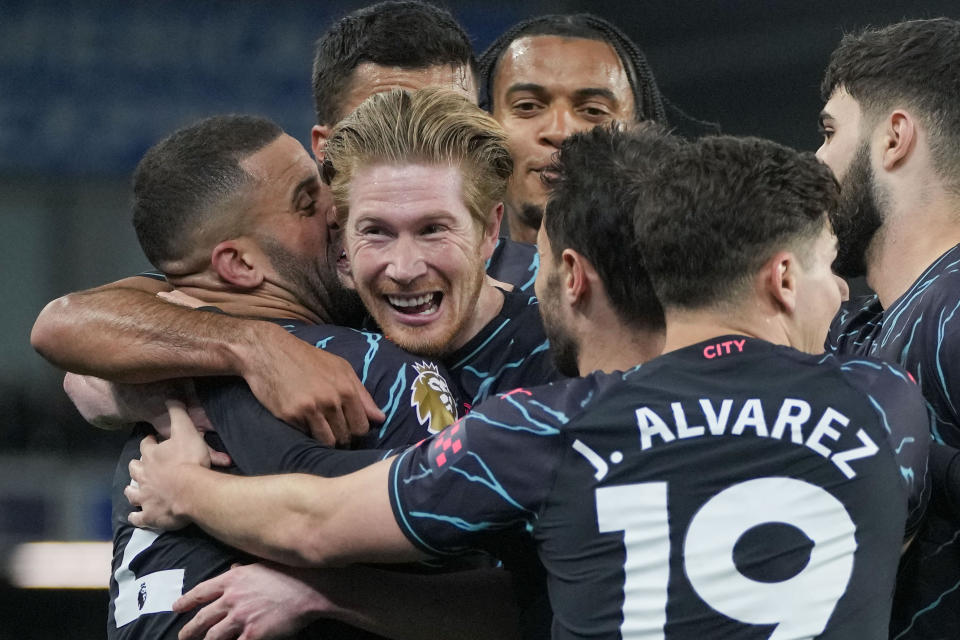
[(129, 335), (294, 519), (463, 605)]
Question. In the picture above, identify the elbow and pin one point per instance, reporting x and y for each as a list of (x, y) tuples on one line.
[(48, 330)]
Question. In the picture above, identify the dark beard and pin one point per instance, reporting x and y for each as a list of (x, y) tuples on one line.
[(857, 218), (317, 287), (563, 347), (530, 215)]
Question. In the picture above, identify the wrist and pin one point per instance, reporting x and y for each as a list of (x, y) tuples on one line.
[(244, 351)]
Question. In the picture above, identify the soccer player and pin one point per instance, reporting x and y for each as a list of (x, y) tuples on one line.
[(735, 486), (550, 76), (418, 181), (891, 128), (226, 209), (122, 332)]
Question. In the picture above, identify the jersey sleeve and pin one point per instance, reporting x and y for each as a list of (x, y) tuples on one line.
[(489, 472), (906, 417), (260, 443)]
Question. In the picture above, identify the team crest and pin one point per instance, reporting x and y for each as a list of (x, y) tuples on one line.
[(431, 398)]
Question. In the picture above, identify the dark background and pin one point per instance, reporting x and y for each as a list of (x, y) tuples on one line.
[(85, 88)]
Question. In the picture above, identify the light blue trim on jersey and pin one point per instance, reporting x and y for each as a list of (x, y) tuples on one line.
[(545, 430), (480, 348), (322, 344), (424, 472), (913, 333), (534, 267), (400, 510), (559, 415), (489, 378), (883, 414), (490, 481), (396, 393), (927, 609), (903, 442), (941, 325), (373, 339), (459, 523)]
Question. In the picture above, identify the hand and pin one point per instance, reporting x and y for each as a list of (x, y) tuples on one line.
[(178, 297), (252, 602), (157, 475), (309, 388)]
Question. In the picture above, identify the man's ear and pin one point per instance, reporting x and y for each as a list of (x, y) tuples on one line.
[(778, 281), (319, 136), (491, 233), (577, 274), (899, 138), (236, 264)]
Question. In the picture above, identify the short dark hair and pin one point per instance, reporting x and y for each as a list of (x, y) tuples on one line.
[(408, 34), (182, 181), (595, 198), (722, 208), (647, 101), (915, 62)]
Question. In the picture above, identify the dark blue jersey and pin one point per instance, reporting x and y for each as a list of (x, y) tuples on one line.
[(731, 489), (151, 570), (515, 263), (511, 351), (921, 332)]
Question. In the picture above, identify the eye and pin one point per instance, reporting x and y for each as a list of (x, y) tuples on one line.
[(825, 131), (527, 107), (595, 112), (431, 229)]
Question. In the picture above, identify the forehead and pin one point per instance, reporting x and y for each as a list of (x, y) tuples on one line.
[(279, 166), (843, 107), (368, 79), (563, 63), (385, 190)]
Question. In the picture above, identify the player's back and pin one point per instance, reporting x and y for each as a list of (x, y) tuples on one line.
[(739, 490), (730, 489)]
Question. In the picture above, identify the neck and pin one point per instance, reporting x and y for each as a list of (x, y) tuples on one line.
[(909, 242), (266, 301), (686, 327), (489, 303), (612, 351), (520, 232)]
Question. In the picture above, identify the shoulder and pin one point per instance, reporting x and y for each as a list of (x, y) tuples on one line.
[(549, 406)]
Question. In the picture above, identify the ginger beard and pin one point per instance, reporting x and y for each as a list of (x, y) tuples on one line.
[(416, 254)]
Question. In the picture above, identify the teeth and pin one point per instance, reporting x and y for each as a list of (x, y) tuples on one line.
[(410, 302)]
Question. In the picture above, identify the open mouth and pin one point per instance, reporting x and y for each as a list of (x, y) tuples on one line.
[(417, 305)]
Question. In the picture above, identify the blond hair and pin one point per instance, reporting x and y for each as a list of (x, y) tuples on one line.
[(431, 126)]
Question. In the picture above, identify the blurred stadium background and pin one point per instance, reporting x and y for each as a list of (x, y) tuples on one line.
[(86, 87)]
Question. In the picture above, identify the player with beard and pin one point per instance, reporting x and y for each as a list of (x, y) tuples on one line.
[(892, 136), (802, 541), (550, 76), (122, 332), (226, 209), (418, 180)]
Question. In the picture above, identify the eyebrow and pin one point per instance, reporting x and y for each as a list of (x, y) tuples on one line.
[(579, 94), (306, 183), (825, 115)]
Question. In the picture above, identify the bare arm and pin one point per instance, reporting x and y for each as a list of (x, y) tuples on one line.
[(294, 519), (123, 332), (272, 601)]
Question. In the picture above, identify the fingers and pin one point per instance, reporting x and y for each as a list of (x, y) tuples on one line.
[(219, 458), (181, 426), (371, 412), (328, 425), (203, 624), (206, 591), (227, 629)]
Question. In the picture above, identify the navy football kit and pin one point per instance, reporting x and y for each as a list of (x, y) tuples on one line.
[(151, 570), (512, 350), (515, 263), (731, 489), (920, 331)]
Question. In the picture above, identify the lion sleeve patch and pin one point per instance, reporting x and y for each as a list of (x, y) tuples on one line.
[(431, 398)]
